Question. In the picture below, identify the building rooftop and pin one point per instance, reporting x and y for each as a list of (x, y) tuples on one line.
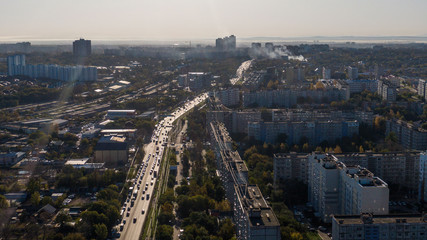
[(106, 131), (364, 177), (381, 219), (260, 214), (111, 143), (80, 161), (121, 111)]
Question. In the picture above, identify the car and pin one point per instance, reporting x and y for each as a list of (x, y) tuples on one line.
[(142, 198), (128, 208), (124, 221), (127, 214), (143, 211), (134, 220)]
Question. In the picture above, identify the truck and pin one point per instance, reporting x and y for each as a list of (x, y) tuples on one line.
[(135, 192), (155, 173), (132, 203), (148, 196)]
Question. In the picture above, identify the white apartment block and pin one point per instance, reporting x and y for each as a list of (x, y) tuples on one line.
[(334, 188)]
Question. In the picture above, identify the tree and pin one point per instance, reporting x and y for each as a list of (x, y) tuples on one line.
[(33, 186), (62, 218), (337, 149), (101, 231), (164, 232), (35, 199), (38, 138), (305, 148), (296, 236), (391, 137), (3, 202), (226, 229), (281, 138), (379, 124), (320, 86), (195, 232), (74, 236)]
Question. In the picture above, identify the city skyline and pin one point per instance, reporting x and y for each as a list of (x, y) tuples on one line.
[(190, 19)]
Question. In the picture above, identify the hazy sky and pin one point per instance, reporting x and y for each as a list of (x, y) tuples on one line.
[(207, 19)]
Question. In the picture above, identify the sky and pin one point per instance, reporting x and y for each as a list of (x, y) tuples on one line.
[(208, 19)]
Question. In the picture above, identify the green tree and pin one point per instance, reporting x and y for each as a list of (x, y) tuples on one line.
[(74, 236), (33, 186), (101, 231), (296, 236), (226, 229), (62, 218), (35, 199), (305, 148), (164, 232), (337, 149), (3, 202)]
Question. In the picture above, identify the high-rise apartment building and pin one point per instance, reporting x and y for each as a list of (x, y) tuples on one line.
[(381, 227), (82, 48), (410, 135), (336, 188), (403, 169), (12, 62), (422, 184), (387, 91), (226, 43), (17, 66), (353, 72), (422, 88), (295, 75), (313, 131), (228, 97), (326, 73)]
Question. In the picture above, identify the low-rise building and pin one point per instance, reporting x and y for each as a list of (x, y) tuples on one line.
[(114, 114), (111, 150), (128, 133), (10, 159), (84, 163), (254, 218)]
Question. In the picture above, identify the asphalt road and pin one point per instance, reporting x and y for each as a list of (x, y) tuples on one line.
[(133, 217)]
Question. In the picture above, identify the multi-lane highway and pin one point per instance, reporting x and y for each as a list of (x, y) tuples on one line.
[(136, 205)]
